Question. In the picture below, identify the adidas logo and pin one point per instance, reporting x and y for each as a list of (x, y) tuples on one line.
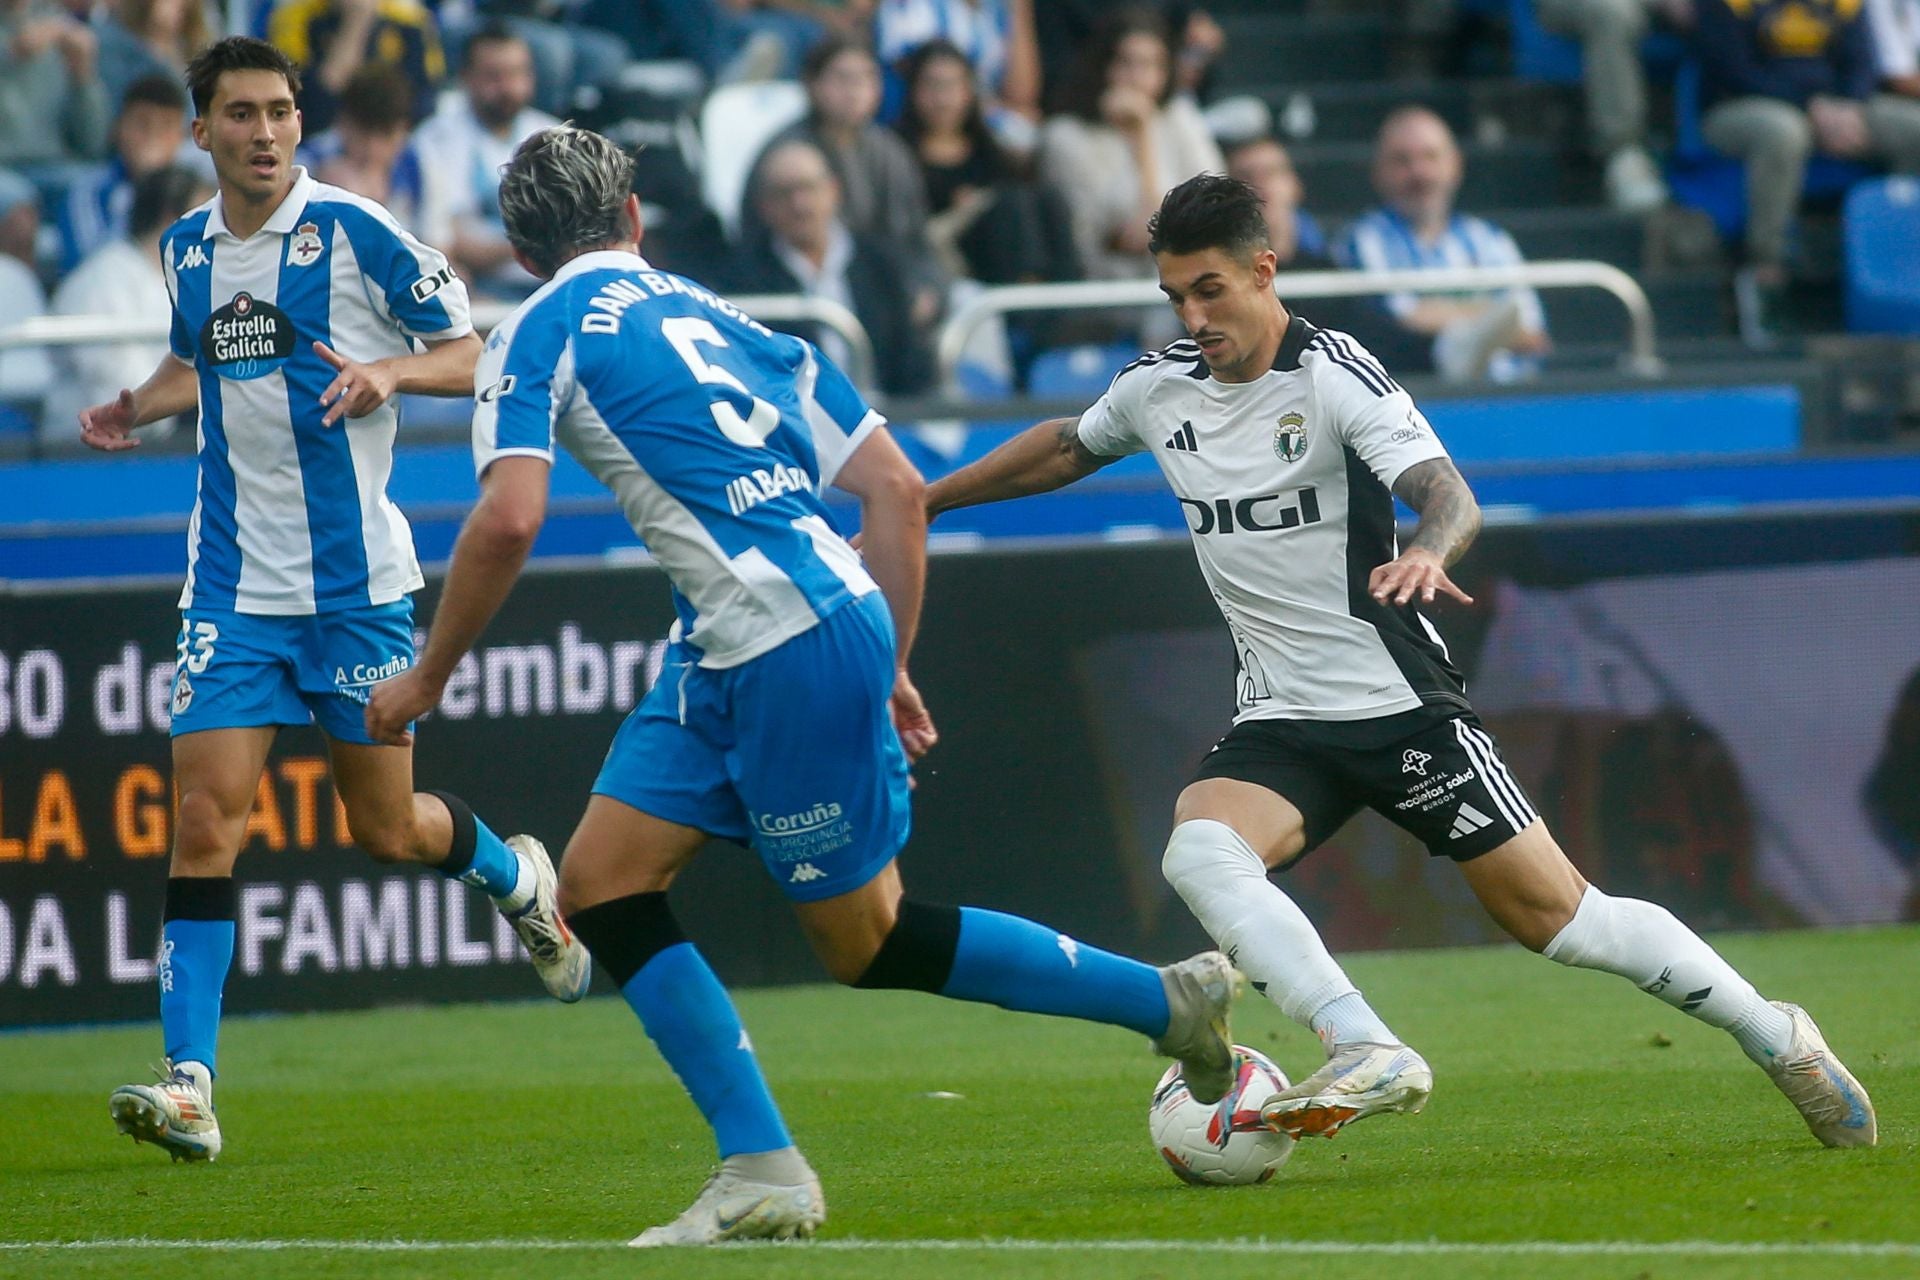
[(1182, 441), (805, 873), (1468, 820)]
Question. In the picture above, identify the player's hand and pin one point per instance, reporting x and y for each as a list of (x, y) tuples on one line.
[(357, 389), (911, 719), (398, 702), (1417, 572), (109, 427)]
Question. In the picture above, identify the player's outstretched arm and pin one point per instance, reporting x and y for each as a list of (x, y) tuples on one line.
[(487, 557), (444, 369), (1038, 460), (172, 389), (1449, 522)]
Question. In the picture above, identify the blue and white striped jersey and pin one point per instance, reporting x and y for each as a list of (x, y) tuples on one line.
[(715, 433), (293, 517), (1381, 240)]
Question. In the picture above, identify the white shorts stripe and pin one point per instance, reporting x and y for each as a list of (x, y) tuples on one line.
[(1498, 776), (1500, 799)]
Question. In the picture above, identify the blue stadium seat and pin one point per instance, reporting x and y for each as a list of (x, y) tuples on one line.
[(1715, 183), (1882, 240), (1539, 54), (1078, 371)]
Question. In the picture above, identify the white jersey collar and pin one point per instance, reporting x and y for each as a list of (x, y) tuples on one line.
[(283, 219)]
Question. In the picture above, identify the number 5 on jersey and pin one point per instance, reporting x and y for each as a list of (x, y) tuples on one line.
[(684, 332)]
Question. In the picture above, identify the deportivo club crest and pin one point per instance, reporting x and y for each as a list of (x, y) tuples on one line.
[(1290, 437), (305, 247)]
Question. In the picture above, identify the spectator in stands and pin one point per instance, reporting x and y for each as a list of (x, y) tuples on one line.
[(995, 36), (329, 40), (1123, 140), (121, 279), (882, 192), (1610, 32), (1064, 28), (1262, 163), (368, 151), (1417, 168), (53, 105), (988, 222), (732, 40), (140, 38), (149, 132), (1895, 25), (462, 149), (24, 371), (809, 249), (1783, 79), (570, 52)]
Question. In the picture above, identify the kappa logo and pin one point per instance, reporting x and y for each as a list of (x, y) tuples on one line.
[(1183, 441), (194, 256), (1068, 948), (1412, 761), (806, 873), (1468, 820)]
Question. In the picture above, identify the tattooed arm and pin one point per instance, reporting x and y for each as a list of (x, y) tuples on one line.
[(1449, 522)]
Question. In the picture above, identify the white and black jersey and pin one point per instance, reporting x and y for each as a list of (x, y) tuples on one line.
[(1287, 486)]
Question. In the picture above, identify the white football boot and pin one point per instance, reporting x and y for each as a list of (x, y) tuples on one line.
[(732, 1207), (172, 1114), (559, 958), (1829, 1099), (1200, 994), (1358, 1081)]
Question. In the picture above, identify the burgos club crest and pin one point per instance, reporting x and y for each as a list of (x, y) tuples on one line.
[(306, 246), (247, 338), (1290, 437)]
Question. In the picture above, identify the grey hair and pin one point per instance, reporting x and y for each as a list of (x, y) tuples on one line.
[(565, 193)]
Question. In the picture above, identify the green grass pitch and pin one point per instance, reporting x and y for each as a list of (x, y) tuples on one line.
[(1577, 1129)]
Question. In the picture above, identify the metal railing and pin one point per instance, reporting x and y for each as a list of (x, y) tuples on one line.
[(76, 331), (1641, 360)]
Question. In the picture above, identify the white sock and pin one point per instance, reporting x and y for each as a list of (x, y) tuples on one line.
[(199, 1073), (1644, 944), (1264, 932), (519, 897)]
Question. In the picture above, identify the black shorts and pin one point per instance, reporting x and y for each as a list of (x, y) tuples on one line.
[(1435, 772)]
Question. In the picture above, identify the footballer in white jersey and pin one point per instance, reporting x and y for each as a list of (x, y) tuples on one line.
[(1286, 446)]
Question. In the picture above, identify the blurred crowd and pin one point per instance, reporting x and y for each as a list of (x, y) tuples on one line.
[(889, 155)]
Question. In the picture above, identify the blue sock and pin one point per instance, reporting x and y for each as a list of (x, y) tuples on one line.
[(1018, 964), (194, 957), (477, 856), (687, 1013)]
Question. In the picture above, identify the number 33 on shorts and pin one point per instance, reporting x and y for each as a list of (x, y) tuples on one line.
[(195, 650)]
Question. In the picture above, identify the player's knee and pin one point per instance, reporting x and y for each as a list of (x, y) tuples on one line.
[(1202, 851), (204, 828), (916, 955)]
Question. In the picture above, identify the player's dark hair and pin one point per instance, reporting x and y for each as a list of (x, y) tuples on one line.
[(821, 55), (1085, 83), (154, 90), (1209, 211), (162, 196), (378, 97), (492, 31), (564, 193), (235, 53)]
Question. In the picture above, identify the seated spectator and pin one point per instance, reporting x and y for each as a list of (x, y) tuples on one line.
[(1064, 28), (994, 36), (148, 134), (1123, 140), (988, 223), (122, 280), (732, 40), (368, 151), (53, 105), (140, 38), (1417, 168), (25, 373), (1783, 79), (807, 248), (1609, 32), (1895, 25), (570, 53), (462, 149), (1263, 164), (329, 40)]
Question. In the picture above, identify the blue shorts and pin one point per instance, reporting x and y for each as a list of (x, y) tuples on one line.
[(793, 753), (247, 670)]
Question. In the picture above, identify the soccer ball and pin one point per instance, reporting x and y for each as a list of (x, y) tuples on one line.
[(1224, 1144)]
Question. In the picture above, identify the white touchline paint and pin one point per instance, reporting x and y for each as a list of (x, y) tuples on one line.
[(1400, 1248)]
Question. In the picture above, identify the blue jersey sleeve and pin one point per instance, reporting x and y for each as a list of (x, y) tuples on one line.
[(523, 382), (411, 281), (839, 419)]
